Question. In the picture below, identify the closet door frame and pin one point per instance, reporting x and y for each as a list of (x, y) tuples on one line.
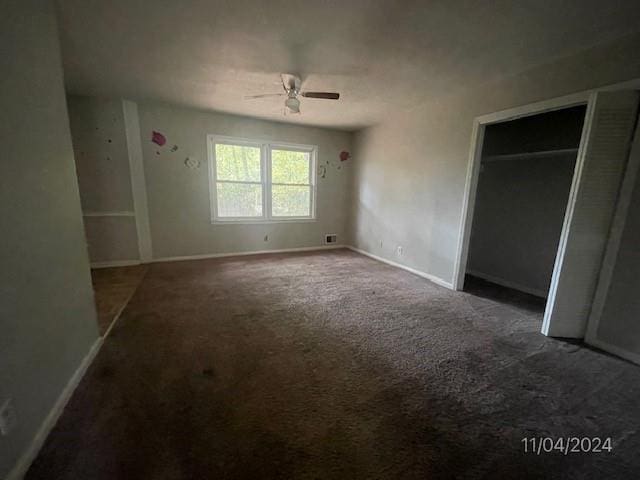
[(473, 169), (475, 159)]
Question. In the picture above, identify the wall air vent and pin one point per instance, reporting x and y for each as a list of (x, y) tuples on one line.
[(330, 238)]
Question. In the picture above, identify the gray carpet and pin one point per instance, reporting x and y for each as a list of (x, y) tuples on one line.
[(332, 365)]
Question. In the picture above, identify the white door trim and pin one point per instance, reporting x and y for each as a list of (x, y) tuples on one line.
[(473, 167), (568, 215)]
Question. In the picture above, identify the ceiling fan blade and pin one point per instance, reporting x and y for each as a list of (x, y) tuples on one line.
[(290, 82), (264, 95), (325, 95)]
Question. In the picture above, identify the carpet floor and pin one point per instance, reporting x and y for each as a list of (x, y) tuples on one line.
[(330, 365), (112, 289)]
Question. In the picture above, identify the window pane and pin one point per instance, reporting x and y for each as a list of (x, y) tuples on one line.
[(290, 167), (291, 201), (239, 200), (236, 162)]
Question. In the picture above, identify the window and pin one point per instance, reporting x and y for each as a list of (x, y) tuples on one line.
[(291, 186), (261, 182), (238, 181)]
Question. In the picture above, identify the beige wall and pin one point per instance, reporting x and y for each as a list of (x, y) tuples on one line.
[(518, 215), (178, 197), (111, 239), (410, 170), (100, 149), (102, 164), (47, 315)]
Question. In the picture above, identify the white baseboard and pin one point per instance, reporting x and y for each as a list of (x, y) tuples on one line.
[(27, 458), (508, 284), (239, 254), (115, 263), (428, 276)]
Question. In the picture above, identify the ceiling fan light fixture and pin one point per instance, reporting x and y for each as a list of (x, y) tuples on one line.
[(293, 104), (291, 84)]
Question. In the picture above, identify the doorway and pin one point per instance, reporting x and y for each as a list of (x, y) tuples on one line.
[(526, 172), (597, 168)]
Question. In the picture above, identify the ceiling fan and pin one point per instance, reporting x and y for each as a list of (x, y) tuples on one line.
[(292, 89)]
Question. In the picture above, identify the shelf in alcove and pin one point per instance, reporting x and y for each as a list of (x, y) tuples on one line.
[(530, 155)]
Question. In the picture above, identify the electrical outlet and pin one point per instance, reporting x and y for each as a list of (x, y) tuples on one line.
[(8, 417), (399, 250)]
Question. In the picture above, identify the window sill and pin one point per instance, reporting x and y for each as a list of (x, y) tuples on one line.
[(263, 222)]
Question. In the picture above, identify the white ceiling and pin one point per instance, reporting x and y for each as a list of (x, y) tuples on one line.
[(379, 54)]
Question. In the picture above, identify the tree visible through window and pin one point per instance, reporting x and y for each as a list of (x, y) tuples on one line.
[(238, 181), (290, 183), (259, 181)]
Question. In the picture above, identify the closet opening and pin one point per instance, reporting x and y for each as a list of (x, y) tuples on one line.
[(525, 176)]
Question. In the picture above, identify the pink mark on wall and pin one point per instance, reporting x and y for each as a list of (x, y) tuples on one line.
[(158, 138), (344, 156)]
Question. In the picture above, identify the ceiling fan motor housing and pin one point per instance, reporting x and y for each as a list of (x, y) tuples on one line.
[(293, 104)]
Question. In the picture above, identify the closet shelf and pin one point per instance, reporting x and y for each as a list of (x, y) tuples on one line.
[(527, 155)]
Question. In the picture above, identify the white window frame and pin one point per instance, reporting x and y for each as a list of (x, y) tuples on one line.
[(265, 174)]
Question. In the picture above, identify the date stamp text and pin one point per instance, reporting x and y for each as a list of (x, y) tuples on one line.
[(566, 445)]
